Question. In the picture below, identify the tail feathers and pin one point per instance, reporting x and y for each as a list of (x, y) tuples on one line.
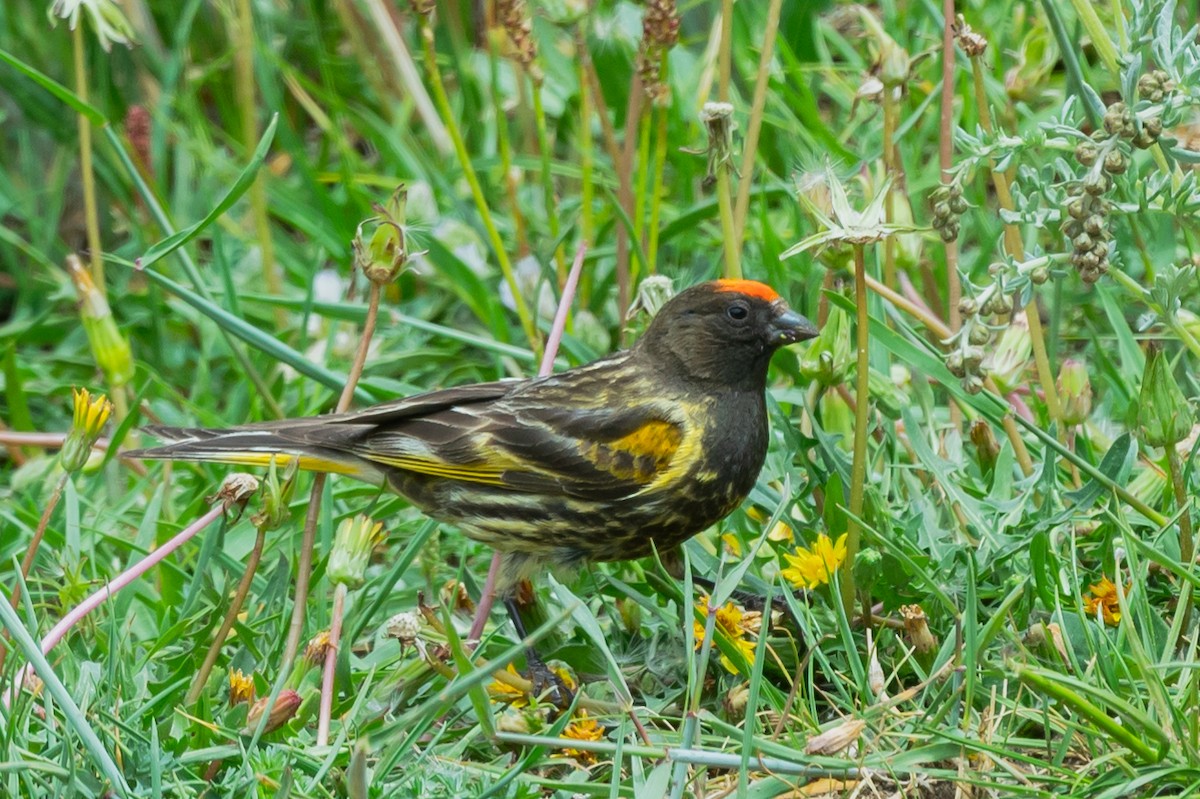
[(249, 447)]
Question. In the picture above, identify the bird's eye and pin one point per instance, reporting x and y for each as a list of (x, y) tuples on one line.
[(737, 312)]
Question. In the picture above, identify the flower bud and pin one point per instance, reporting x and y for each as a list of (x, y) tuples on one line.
[(1075, 392), (987, 450), (276, 497), (916, 628), (837, 418), (652, 294), (384, 254), (1164, 415), (835, 739), (1007, 362), (829, 357), (91, 413), (352, 546), (109, 346), (283, 711), (317, 649)]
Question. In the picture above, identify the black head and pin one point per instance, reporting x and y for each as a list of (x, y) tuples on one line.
[(724, 331)]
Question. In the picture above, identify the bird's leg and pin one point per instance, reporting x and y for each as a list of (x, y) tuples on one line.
[(545, 682)]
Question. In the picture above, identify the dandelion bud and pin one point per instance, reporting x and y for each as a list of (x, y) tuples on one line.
[(1164, 416), (835, 739), (352, 546), (105, 19), (652, 294), (1075, 391), (276, 497), (828, 357), (383, 255), (736, 701), (91, 413), (916, 627), (317, 649), (109, 347), (717, 119), (284, 710), (986, 447), (1007, 362)]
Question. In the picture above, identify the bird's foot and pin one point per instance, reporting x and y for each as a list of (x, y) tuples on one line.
[(548, 685)]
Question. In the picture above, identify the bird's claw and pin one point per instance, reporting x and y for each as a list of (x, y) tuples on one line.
[(548, 686)]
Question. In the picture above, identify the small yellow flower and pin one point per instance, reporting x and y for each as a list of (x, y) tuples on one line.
[(91, 414), (732, 545), (810, 568), (501, 691), (317, 648), (736, 624), (583, 728), (241, 687), (1102, 596)]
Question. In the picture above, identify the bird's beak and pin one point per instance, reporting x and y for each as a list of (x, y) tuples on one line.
[(788, 327)]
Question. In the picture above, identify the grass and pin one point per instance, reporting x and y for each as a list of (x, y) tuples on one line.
[(1018, 616)]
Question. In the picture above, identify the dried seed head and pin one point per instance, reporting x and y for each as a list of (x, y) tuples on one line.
[(835, 739), (513, 16), (972, 43)]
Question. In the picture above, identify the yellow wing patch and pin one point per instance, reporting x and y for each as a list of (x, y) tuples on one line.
[(640, 455), (487, 474)]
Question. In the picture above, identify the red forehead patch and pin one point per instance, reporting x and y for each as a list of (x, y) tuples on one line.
[(751, 288)]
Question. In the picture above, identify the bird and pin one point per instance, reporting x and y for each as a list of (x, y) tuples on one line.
[(613, 460)]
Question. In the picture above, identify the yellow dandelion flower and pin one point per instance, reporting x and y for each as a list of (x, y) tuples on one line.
[(91, 414), (1102, 596), (583, 728), (735, 623), (502, 691), (241, 687), (809, 568)]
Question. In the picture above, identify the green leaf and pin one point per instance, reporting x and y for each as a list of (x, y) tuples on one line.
[(94, 115), (240, 186)]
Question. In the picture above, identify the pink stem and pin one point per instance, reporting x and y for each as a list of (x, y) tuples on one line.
[(546, 367), (335, 637)]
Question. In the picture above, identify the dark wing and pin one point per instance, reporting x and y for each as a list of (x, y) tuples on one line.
[(588, 433)]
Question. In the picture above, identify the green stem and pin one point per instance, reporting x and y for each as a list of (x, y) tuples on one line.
[(725, 56), (243, 59), (1187, 550), (31, 550), (505, 151), (586, 152), (754, 126), (86, 174), (464, 159), (643, 171), (660, 164), (309, 538), (235, 607), (733, 265), (539, 115), (1016, 248), (858, 469), (889, 169)]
